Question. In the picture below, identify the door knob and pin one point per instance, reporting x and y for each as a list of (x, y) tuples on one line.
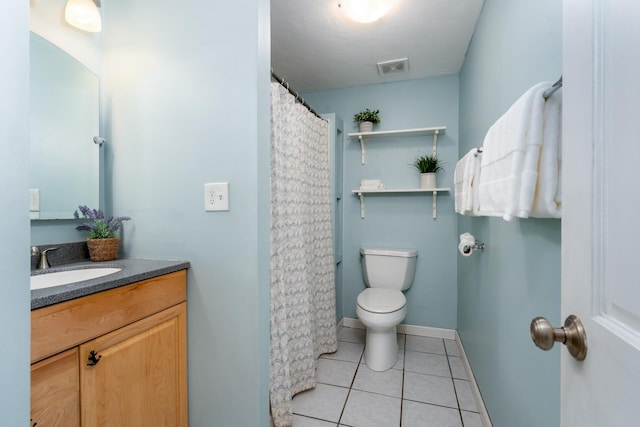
[(572, 334)]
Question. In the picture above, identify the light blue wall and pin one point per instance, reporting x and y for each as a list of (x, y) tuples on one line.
[(14, 186), (401, 221), (517, 43), (187, 101), (55, 231)]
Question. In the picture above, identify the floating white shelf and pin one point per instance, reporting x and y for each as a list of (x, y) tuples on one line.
[(434, 191), (435, 131)]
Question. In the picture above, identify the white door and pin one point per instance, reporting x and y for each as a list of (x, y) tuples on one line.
[(601, 210)]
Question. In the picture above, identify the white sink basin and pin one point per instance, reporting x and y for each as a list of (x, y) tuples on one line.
[(59, 278)]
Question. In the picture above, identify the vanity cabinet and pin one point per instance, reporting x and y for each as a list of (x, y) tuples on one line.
[(55, 393), (117, 357)]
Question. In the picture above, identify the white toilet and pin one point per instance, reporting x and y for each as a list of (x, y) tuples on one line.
[(382, 306)]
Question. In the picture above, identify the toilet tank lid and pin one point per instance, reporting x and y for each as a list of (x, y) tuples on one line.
[(405, 253)]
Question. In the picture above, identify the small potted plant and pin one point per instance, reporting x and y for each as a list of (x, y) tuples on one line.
[(367, 118), (428, 167), (103, 243)]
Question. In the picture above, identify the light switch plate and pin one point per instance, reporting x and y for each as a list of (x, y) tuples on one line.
[(216, 196), (34, 199)]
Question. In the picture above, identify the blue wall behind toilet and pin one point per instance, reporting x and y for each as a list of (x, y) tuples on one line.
[(401, 220)]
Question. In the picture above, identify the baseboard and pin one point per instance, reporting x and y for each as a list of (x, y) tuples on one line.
[(421, 331), (448, 334), (482, 409)]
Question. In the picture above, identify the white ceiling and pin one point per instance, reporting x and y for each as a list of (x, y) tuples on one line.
[(315, 47)]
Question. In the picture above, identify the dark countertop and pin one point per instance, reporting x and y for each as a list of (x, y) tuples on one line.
[(133, 270)]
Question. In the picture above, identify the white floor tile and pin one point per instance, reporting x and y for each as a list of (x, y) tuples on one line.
[(300, 421), (399, 363), (401, 340), (388, 382), (352, 335), (416, 414), (371, 410), (471, 419), (452, 348), (428, 386), (425, 344), (347, 351), (336, 372), (457, 368), (429, 389), (427, 363), (465, 396), (324, 402)]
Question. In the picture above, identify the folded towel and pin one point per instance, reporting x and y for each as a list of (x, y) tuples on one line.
[(459, 187), (547, 202), (371, 184), (511, 147), (465, 183), (529, 178), (475, 182)]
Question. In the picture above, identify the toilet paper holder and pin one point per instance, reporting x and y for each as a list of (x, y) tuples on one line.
[(477, 245)]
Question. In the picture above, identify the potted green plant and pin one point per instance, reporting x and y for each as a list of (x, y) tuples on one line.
[(367, 118), (103, 242), (428, 166)]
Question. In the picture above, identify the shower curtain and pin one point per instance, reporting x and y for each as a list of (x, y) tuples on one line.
[(303, 312)]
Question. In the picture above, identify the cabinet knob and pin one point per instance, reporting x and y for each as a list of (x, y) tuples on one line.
[(93, 360)]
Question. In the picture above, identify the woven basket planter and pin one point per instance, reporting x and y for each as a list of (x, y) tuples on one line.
[(103, 249)]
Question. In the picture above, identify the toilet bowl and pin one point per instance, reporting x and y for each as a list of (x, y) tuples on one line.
[(382, 306)]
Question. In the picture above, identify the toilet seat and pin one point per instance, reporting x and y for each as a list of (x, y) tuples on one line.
[(378, 300)]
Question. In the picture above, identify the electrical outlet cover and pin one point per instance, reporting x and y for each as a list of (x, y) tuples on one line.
[(216, 196)]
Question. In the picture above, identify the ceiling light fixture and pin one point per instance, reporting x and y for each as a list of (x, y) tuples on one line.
[(84, 14), (365, 11)]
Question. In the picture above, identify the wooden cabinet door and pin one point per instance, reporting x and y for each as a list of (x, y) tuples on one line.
[(54, 391), (139, 374)]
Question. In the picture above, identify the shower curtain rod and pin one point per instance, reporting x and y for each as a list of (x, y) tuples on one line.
[(295, 94)]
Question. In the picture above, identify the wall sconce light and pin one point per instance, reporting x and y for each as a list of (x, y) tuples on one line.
[(84, 14), (365, 11)]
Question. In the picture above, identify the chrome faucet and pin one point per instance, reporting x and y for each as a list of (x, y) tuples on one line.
[(43, 262)]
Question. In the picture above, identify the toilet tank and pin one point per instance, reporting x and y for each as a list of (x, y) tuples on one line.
[(388, 268)]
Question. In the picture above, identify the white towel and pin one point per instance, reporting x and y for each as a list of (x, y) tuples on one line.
[(547, 202), (465, 183), (459, 187), (510, 156), (529, 178), (475, 183)]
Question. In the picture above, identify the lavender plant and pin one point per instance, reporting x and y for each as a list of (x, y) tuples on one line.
[(97, 225)]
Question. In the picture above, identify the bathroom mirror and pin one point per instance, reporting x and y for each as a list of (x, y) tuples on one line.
[(64, 118)]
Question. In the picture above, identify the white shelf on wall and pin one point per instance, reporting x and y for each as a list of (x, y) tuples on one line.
[(432, 131), (433, 191)]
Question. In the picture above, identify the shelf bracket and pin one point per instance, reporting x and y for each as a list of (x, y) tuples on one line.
[(362, 156), (361, 205), (435, 141), (434, 204)]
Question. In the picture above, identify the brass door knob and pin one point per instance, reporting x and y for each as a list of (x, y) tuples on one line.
[(572, 334)]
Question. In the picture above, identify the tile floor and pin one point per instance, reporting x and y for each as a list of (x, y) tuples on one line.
[(428, 386)]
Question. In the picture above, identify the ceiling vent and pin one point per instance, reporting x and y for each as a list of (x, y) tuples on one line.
[(394, 66)]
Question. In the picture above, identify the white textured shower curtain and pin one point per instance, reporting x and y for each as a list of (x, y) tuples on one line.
[(303, 311)]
